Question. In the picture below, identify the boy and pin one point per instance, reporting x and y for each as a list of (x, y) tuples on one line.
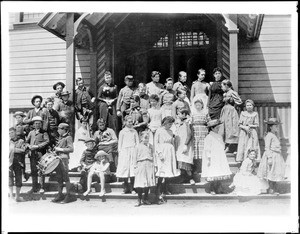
[(37, 111), (123, 102), (63, 148), (87, 160), (16, 158), (66, 111), (38, 140)]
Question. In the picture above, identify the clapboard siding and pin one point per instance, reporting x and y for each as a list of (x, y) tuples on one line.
[(265, 65), (37, 61)]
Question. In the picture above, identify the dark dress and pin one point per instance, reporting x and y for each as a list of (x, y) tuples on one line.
[(215, 100), (108, 112)]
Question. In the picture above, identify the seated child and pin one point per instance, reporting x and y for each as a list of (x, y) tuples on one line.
[(245, 181), (99, 168)]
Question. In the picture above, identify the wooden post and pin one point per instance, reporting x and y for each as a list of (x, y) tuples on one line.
[(171, 47)]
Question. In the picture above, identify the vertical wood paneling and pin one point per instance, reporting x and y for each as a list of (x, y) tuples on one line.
[(101, 55), (225, 52)]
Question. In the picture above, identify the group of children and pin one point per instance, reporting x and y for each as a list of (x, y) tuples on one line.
[(166, 133)]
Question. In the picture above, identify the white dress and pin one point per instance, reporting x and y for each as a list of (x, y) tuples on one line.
[(79, 146), (128, 140)]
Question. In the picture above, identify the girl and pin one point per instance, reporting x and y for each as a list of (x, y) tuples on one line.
[(248, 138), (214, 165), (229, 116), (100, 168), (272, 165), (155, 114), (200, 88), (200, 118), (183, 143), (245, 181), (128, 140), (215, 95), (165, 156), (81, 135), (180, 103), (144, 169)]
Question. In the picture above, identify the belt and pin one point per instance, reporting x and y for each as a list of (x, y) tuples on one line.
[(81, 140)]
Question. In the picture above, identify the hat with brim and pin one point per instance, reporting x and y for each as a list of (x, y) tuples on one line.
[(58, 83), (213, 123), (89, 140), (100, 153), (65, 93), (272, 121), (19, 113), (35, 97), (36, 118), (64, 126)]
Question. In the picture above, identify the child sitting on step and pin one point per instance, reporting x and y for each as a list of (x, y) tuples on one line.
[(245, 181), (99, 168)]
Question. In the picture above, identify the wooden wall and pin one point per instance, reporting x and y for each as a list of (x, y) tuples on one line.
[(265, 65), (37, 60)]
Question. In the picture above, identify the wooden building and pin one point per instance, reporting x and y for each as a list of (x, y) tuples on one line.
[(254, 52)]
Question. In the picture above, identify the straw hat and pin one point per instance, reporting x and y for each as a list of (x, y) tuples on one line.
[(19, 113), (272, 121)]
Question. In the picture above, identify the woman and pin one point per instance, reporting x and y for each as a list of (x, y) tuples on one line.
[(107, 96), (215, 95)]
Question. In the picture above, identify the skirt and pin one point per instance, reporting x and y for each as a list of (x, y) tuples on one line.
[(144, 174), (249, 184), (126, 163), (200, 132), (75, 157)]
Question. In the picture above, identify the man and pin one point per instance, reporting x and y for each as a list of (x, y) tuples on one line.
[(38, 140)]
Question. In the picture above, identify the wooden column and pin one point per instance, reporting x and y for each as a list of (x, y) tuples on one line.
[(70, 55), (171, 47)]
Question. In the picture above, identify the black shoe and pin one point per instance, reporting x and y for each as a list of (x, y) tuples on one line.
[(26, 177), (67, 199), (139, 203), (146, 202), (58, 198), (31, 191)]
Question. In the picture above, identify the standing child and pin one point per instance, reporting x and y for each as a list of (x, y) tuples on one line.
[(155, 114), (200, 88), (272, 165), (165, 157), (183, 146), (81, 135), (200, 118), (168, 98), (144, 169), (63, 148), (248, 138), (180, 103), (16, 155), (245, 180), (230, 117), (215, 166), (128, 140), (99, 168)]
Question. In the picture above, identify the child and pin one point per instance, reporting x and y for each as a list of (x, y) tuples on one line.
[(37, 111), (245, 180), (66, 111), (155, 114), (16, 158), (215, 166), (154, 87), (248, 137), (165, 157), (272, 165), (144, 169), (38, 140), (229, 116), (199, 121), (183, 146), (81, 135), (86, 161), (128, 140), (200, 88), (144, 97), (123, 102), (63, 148), (106, 140), (180, 103), (168, 98), (99, 168)]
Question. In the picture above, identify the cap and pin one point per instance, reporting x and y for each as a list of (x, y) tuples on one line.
[(58, 83), (37, 118), (19, 113), (64, 126), (35, 97), (100, 153), (64, 93), (272, 121), (89, 140)]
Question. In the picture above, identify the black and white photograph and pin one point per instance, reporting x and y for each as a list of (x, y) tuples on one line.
[(149, 116)]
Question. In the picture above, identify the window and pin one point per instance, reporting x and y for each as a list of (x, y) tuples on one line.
[(162, 42), (31, 16)]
